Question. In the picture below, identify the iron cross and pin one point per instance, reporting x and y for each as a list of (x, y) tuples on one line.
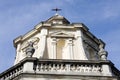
[(56, 10)]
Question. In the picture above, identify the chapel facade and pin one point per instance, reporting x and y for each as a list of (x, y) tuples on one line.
[(56, 49)]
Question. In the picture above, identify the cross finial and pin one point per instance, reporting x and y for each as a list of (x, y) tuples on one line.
[(56, 10)]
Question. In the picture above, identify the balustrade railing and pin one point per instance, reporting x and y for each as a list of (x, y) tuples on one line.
[(12, 73), (68, 67), (54, 66)]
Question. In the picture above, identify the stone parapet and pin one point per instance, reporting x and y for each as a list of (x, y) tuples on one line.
[(60, 67)]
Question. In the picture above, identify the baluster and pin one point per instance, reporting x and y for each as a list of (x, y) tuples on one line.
[(74, 69), (57, 67), (37, 68), (67, 67), (15, 72), (86, 68), (62, 67), (46, 67), (41, 67), (94, 68), (20, 69), (98, 68), (82, 68), (89, 67), (78, 68), (49, 67), (71, 67), (54, 68), (10, 75)]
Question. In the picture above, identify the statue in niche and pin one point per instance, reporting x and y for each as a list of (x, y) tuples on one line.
[(103, 54), (30, 49)]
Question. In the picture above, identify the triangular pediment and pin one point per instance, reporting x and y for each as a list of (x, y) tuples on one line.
[(58, 19), (61, 34)]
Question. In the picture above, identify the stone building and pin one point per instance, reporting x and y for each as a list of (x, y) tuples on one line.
[(59, 50)]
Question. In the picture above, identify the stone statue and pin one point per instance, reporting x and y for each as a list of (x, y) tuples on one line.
[(103, 54), (30, 49)]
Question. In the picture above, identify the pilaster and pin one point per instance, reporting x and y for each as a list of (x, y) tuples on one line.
[(70, 44), (81, 51), (54, 43), (17, 54), (44, 33)]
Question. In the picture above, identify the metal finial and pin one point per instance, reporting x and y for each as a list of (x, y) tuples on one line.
[(56, 10)]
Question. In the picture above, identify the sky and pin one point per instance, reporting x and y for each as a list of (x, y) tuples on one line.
[(17, 17)]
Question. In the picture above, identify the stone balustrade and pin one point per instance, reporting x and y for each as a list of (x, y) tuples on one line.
[(58, 67), (73, 67), (69, 67), (12, 72)]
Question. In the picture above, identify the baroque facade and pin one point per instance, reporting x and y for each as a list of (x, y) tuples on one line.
[(59, 50)]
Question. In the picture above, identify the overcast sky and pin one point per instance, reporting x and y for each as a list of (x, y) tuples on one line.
[(17, 17)]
